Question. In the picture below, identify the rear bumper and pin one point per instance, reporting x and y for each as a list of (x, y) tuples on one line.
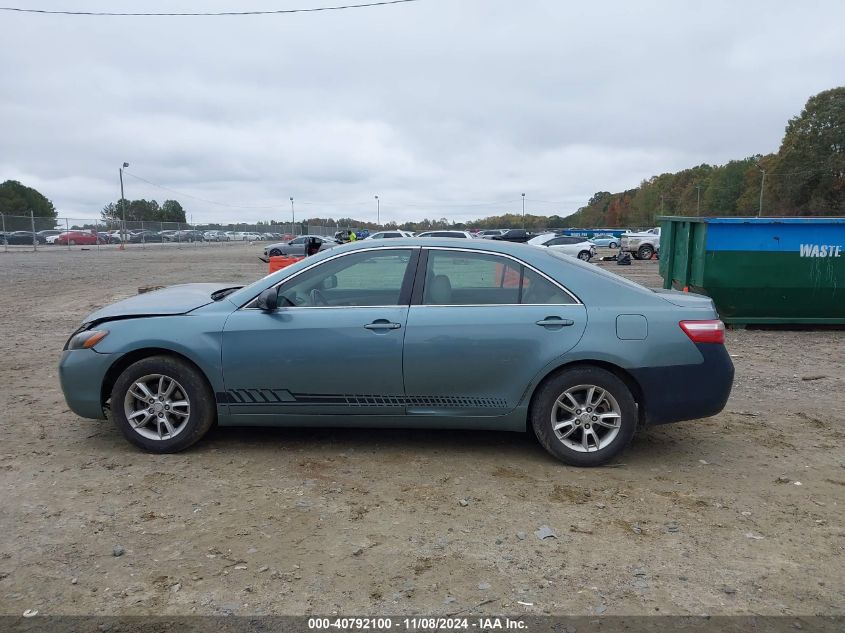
[(81, 374), (686, 392)]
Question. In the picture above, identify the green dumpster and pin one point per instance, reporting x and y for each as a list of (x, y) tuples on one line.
[(759, 270)]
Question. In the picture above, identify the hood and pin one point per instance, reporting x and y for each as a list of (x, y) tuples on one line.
[(685, 299), (179, 299)]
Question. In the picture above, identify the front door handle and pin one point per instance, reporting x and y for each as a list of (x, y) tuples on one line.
[(382, 324), (555, 321)]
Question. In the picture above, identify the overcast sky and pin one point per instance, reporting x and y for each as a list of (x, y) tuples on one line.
[(443, 108)]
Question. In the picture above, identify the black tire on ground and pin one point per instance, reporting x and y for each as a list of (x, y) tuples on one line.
[(584, 256), (275, 252), (612, 245), (542, 404), (645, 251), (203, 410)]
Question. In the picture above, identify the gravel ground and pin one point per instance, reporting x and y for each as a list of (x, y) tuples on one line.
[(738, 514)]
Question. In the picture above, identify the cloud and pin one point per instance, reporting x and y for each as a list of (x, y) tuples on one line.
[(441, 108)]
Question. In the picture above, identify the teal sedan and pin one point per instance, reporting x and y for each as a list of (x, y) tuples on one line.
[(411, 332), (605, 240)]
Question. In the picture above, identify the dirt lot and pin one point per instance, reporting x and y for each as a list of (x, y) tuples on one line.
[(738, 514)]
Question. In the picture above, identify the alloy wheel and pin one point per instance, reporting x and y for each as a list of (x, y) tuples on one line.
[(586, 418), (157, 407)]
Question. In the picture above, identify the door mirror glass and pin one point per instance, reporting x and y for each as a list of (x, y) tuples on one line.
[(268, 301)]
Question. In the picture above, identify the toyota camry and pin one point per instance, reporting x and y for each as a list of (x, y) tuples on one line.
[(412, 332)]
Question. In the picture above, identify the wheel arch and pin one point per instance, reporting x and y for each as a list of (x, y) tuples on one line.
[(616, 370), (134, 356)]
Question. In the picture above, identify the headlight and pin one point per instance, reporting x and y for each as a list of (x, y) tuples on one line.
[(86, 339)]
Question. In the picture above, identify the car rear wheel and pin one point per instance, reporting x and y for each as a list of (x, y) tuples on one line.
[(275, 252), (584, 416), (162, 404), (584, 256), (645, 251)]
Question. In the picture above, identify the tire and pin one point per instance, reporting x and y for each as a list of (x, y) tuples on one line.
[(615, 401), (584, 256), (72, 242), (645, 251), (612, 245), (275, 252), (187, 423)]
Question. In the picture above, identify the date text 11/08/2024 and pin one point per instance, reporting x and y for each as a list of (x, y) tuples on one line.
[(417, 623)]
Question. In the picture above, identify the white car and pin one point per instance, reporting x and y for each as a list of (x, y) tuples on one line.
[(383, 235), (568, 245), (458, 234)]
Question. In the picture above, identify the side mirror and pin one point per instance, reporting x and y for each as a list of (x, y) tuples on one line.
[(268, 301)]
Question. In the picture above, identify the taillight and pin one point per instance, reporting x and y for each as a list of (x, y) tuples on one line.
[(710, 331)]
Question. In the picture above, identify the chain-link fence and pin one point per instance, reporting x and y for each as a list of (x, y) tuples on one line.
[(28, 232)]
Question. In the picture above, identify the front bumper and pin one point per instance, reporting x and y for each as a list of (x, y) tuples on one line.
[(686, 392), (81, 374)]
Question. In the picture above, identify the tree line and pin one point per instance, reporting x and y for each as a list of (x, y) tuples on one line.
[(806, 176)]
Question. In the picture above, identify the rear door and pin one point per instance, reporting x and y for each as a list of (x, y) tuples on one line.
[(480, 327)]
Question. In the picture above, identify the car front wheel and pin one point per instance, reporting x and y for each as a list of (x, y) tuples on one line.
[(612, 245), (584, 256), (275, 252), (584, 416), (162, 404)]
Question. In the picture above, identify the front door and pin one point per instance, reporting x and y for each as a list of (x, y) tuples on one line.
[(334, 346), (481, 329)]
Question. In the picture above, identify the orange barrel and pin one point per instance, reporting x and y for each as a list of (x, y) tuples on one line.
[(278, 262)]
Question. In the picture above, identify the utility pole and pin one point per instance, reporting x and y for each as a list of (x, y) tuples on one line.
[(523, 211), (123, 209), (698, 200), (661, 204), (762, 185), (292, 217), (378, 212)]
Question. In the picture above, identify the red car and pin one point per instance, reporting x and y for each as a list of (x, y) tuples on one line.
[(85, 238)]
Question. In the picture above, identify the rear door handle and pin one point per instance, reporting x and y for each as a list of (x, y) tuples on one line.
[(383, 324), (555, 321)]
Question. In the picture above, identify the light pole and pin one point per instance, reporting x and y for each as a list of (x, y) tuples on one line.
[(698, 200), (523, 211), (292, 217), (762, 185), (123, 209), (378, 212)]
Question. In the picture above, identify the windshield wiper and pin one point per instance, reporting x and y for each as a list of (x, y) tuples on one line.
[(217, 295)]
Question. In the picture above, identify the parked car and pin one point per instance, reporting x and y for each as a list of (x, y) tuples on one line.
[(454, 234), (605, 240), (83, 238), (493, 336), (489, 233), (108, 238), (146, 237), (297, 246), (641, 245), (216, 236), (514, 235), (24, 237), (50, 233), (251, 236), (383, 235), (568, 245)]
